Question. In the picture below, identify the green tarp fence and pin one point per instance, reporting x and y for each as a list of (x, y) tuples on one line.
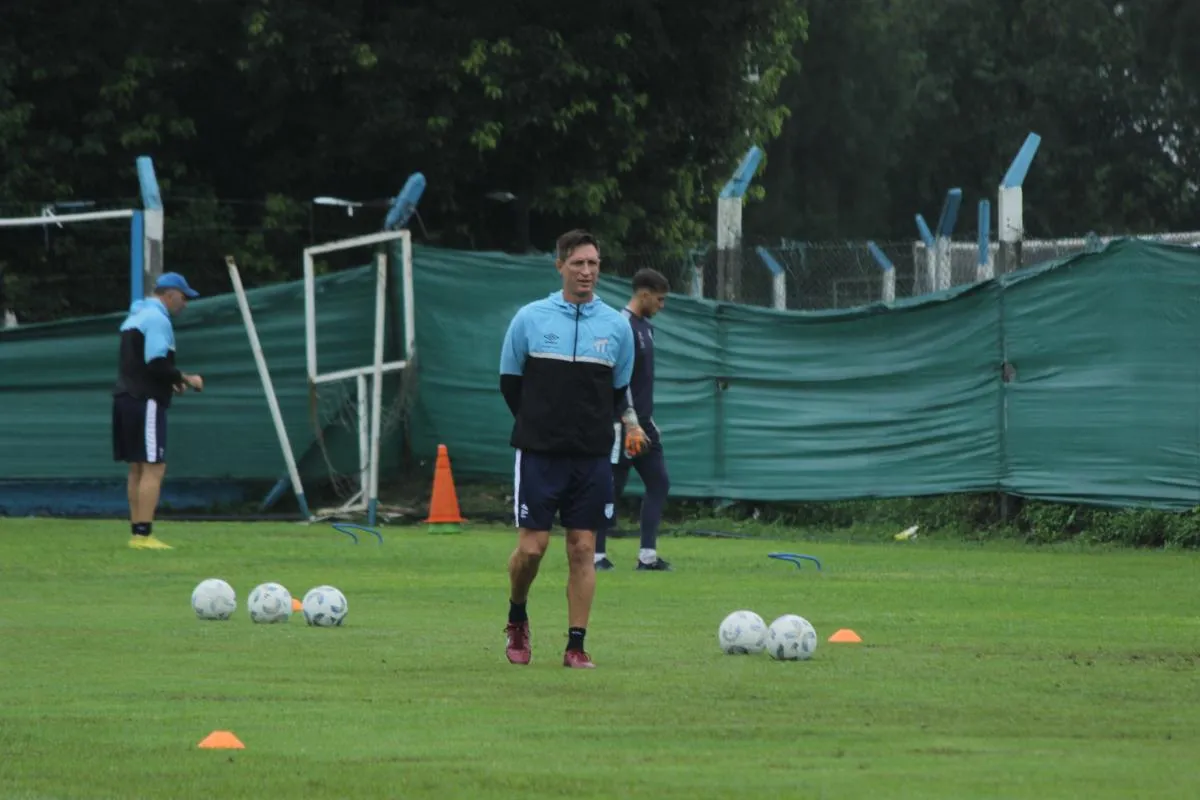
[(1101, 403)]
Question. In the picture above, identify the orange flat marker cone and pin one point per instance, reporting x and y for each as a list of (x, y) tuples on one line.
[(221, 740), (443, 505), (297, 606), (845, 635)]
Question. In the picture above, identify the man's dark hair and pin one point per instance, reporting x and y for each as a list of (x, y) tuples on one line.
[(569, 241), (651, 279)]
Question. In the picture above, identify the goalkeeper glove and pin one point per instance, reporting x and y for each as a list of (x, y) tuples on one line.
[(635, 441)]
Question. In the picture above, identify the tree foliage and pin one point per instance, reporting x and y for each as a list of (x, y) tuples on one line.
[(625, 117), (901, 100)]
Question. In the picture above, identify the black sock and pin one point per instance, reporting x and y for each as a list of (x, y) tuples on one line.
[(140, 528), (516, 613), (575, 638)]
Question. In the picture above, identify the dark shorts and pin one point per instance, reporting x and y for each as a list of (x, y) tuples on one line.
[(578, 489), (139, 430)]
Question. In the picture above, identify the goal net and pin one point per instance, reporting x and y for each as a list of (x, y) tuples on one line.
[(361, 406), (355, 402)]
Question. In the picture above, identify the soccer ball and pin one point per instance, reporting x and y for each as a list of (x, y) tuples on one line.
[(270, 603), (791, 638), (741, 633), (325, 607), (214, 599)]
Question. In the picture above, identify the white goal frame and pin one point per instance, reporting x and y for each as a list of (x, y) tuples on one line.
[(368, 397), (146, 228)]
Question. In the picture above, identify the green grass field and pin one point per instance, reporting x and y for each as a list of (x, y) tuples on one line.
[(985, 671)]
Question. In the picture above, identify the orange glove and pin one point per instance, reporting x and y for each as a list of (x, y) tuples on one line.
[(635, 441)]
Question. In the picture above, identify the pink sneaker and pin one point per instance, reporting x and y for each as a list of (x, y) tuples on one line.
[(517, 647), (577, 659)]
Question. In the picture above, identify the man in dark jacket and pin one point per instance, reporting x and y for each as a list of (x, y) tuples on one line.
[(146, 379), (564, 369)]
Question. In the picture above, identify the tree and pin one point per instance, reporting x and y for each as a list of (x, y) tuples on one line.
[(851, 113), (900, 101), (624, 117)]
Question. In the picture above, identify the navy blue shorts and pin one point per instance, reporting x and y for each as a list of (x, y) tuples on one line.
[(139, 430), (578, 489)]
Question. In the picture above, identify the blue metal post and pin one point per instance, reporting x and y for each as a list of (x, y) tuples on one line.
[(943, 273), (984, 265), (778, 278), (1010, 210), (729, 226), (926, 234), (949, 216), (137, 257), (1019, 168), (888, 293), (153, 223)]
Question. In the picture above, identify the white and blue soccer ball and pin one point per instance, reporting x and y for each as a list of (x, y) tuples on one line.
[(214, 599), (325, 607), (791, 638), (270, 603), (742, 633)]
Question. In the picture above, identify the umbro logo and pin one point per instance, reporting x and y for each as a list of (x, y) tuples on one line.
[(551, 338)]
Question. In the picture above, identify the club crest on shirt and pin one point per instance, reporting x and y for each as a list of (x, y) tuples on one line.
[(600, 345)]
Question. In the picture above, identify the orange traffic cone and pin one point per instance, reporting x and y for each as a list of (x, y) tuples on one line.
[(443, 505)]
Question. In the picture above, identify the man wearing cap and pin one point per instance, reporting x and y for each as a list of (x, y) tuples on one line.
[(146, 379)]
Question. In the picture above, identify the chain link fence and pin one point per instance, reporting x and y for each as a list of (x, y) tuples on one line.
[(817, 276), (803, 275), (964, 256), (54, 272)]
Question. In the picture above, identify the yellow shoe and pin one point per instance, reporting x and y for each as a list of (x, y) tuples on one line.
[(148, 543)]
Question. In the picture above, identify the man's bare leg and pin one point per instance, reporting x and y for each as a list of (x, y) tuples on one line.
[(522, 569), (524, 562), (133, 491), (144, 504), (581, 587), (581, 580), (149, 488)]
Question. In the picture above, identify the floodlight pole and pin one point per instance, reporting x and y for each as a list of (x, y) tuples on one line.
[(1010, 206), (729, 227)]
